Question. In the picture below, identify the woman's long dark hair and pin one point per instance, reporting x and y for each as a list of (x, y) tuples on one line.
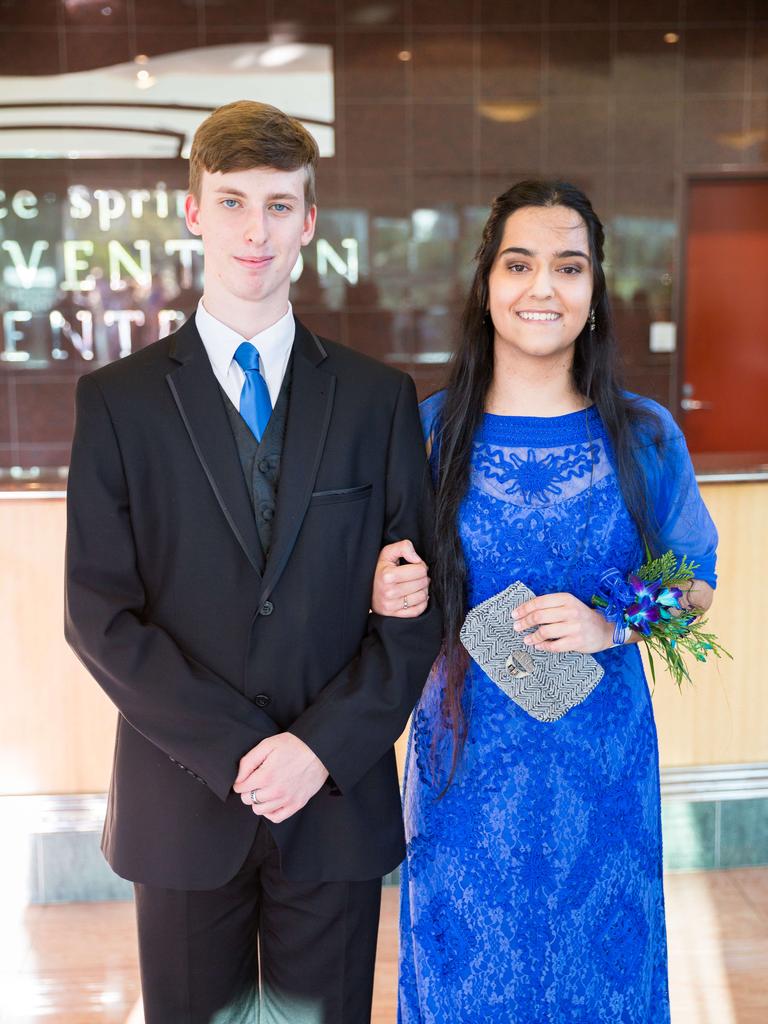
[(595, 376)]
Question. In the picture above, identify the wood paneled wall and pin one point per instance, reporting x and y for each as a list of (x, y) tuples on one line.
[(57, 727), (723, 717)]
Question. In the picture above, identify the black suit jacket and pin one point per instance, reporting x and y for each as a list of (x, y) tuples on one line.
[(203, 654)]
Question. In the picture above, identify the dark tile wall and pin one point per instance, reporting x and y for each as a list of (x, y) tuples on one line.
[(440, 104)]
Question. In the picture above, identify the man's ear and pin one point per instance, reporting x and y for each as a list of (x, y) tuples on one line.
[(192, 214), (310, 222)]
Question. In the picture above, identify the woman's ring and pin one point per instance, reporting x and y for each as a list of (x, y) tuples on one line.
[(406, 606), (254, 798)]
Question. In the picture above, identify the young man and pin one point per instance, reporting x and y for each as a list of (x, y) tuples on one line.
[(230, 489)]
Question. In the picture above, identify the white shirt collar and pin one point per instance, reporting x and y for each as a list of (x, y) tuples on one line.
[(274, 345)]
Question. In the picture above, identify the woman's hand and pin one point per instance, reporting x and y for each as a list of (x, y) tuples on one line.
[(400, 591), (565, 624), (698, 595)]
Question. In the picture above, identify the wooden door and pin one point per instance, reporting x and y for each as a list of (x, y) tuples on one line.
[(725, 362)]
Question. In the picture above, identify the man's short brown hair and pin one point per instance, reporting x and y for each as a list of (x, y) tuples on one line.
[(246, 134)]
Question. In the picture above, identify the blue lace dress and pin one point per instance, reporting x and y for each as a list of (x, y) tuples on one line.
[(532, 891)]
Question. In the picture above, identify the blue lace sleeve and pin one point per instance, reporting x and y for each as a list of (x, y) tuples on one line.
[(429, 410), (685, 526)]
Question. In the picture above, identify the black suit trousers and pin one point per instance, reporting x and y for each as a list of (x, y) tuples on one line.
[(260, 949)]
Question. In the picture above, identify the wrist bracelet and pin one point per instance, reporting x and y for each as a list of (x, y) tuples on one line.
[(621, 634)]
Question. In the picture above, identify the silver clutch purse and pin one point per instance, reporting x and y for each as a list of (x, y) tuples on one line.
[(544, 684)]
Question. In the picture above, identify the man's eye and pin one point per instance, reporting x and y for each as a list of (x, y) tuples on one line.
[(230, 203), (280, 207)]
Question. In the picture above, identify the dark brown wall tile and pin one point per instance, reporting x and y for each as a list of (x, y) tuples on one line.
[(364, 14), (644, 63), (382, 192), (713, 130), (6, 427), (524, 12), (760, 58), (510, 144), (180, 14), (443, 138), (442, 12), (386, 334), (22, 13), (577, 140), (510, 65), (646, 132), (436, 329), (328, 324), (427, 378), (46, 408), (97, 14), (579, 62), (579, 12), (431, 190), (87, 49), (375, 136), (370, 69), (755, 142), (448, 130), (655, 385), (715, 60), (27, 52), (153, 41), (698, 11), (662, 11), (638, 192), (443, 66), (303, 13)]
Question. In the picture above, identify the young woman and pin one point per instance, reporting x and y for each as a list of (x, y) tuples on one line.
[(532, 891)]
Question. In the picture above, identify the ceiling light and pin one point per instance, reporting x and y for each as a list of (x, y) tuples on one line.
[(283, 53), (509, 113), (742, 141)]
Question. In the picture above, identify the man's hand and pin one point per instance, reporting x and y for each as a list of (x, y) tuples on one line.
[(284, 772)]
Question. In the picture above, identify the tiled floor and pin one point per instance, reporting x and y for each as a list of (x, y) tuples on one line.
[(76, 964)]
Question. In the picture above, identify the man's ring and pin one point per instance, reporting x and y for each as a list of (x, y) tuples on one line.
[(405, 603), (254, 797)]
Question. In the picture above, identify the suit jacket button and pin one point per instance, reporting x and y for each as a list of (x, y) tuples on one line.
[(261, 700), (267, 608)]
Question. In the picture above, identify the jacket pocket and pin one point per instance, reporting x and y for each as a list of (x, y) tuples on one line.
[(342, 494)]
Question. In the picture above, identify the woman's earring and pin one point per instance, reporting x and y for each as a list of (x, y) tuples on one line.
[(591, 321)]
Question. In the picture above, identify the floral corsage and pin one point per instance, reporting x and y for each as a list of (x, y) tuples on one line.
[(649, 601)]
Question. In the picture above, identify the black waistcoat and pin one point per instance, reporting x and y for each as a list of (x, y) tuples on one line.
[(261, 461)]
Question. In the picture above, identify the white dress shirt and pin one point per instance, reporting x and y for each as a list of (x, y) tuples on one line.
[(221, 342)]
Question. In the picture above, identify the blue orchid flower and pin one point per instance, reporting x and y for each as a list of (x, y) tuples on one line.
[(647, 589), (642, 614)]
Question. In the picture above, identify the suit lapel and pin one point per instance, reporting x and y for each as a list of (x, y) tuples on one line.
[(309, 414), (196, 394)]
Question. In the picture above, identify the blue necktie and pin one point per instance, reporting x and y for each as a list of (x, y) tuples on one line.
[(255, 403)]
